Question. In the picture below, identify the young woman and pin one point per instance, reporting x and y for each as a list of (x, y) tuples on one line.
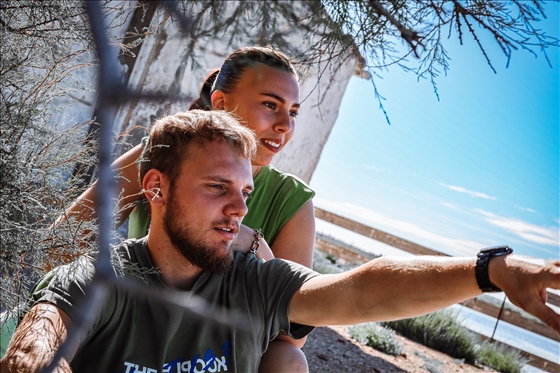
[(260, 86)]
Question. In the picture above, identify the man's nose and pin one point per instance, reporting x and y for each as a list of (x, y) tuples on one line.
[(237, 205)]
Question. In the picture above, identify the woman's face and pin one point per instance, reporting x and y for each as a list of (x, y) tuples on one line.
[(267, 100)]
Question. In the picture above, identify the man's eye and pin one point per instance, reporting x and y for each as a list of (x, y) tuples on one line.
[(247, 195), (217, 186)]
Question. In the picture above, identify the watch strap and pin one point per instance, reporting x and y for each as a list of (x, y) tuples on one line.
[(481, 269)]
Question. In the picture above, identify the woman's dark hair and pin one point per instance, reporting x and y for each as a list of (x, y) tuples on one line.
[(203, 101), (232, 69)]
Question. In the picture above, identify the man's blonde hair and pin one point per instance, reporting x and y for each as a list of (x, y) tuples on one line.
[(168, 144)]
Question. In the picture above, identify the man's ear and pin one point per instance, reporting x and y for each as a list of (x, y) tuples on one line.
[(218, 99), (154, 187)]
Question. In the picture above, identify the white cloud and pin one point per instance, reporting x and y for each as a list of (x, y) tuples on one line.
[(468, 192), (527, 231), (525, 209), (449, 205)]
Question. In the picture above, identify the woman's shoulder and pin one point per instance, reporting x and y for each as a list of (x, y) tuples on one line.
[(276, 198), (278, 176)]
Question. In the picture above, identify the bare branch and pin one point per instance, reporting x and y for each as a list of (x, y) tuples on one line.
[(410, 36)]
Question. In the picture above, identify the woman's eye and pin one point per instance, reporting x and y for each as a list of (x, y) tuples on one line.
[(294, 113), (270, 105)]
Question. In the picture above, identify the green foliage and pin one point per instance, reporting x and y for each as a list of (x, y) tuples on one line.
[(500, 357), (378, 337), (440, 331)]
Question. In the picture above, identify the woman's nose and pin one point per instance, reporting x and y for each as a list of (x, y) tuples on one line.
[(284, 123)]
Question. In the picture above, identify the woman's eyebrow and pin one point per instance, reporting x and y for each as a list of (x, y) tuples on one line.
[(281, 99)]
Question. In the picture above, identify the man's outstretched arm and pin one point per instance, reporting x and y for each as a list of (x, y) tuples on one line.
[(390, 288), (36, 340)]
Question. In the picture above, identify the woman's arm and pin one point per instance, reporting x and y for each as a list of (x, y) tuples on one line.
[(295, 242), (296, 239), (128, 189)]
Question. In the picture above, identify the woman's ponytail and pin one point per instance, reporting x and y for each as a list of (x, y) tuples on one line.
[(204, 100)]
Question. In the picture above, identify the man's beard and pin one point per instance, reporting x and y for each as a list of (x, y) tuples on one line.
[(195, 251)]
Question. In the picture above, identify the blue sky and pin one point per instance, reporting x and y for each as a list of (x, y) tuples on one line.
[(478, 168)]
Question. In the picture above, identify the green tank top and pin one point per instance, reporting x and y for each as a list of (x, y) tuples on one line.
[(276, 198)]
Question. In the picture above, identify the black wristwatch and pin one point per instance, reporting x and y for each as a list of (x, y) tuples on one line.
[(481, 269)]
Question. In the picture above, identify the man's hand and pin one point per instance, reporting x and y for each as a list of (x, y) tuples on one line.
[(36, 340), (525, 280)]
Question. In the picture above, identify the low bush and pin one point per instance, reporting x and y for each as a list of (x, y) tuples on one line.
[(378, 337), (329, 264), (500, 357), (440, 331)]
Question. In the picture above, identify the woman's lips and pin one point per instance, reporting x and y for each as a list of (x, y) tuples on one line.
[(273, 146)]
